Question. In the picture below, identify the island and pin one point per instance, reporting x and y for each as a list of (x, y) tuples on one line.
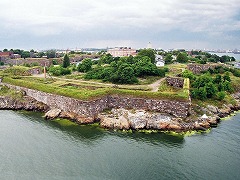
[(150, 90)]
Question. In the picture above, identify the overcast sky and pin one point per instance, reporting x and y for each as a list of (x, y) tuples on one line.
[(194, 24)]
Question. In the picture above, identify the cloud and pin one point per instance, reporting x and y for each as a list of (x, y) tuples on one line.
[(123, 21)]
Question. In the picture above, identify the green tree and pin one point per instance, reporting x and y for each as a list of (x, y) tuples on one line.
[(182, 58), (66, 61), (125, 74), (218, 79), (25, 54), (211, 89), (188, 74), (149, 53), (51, 53), (168, 59), (85, 65), (226, 77)]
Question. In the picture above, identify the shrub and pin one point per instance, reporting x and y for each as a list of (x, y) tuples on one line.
[(220, 95), (59, 70)]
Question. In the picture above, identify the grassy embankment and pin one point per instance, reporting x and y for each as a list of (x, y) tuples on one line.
[(82, 92)]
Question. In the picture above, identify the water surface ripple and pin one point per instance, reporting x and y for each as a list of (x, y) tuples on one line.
[(33, 148)]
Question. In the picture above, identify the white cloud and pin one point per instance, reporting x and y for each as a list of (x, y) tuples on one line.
[(54, 17)]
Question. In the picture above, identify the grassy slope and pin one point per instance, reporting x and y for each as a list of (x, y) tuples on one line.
[(86, 94)]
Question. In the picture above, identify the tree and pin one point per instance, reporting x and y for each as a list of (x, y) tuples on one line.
[(125, 74), (85, 65), (51, 54), (25, 54), (218, 79), (41, 54), (182, 58), (226, 77), (66, 61), (210, 89), (168, 59), (188, 74), (149, 53), (5, 50)]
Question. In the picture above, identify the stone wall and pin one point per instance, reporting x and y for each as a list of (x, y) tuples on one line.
[(40, 61), (175, 82), (198, 68), (94, 107)]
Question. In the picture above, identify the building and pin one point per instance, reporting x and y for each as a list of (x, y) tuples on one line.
[(122, 51), (159, 60), (5, 55)]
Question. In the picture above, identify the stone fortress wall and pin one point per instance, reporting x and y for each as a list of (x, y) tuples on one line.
[(94, 107)]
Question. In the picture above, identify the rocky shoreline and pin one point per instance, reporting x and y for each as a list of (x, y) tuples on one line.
[(123, 119)]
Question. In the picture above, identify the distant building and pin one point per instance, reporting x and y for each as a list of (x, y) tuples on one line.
[(159, 60), (16, 56), (5, 55), (122, 51)]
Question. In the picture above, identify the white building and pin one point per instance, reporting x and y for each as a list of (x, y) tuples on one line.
[(159, 60)]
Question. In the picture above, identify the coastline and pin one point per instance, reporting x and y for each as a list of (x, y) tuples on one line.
[(129, 119)]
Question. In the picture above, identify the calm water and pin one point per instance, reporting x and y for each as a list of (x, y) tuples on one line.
[(32, 148), (236, 56)]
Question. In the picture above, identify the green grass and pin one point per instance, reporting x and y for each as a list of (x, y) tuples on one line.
[(5, 91), (227, 100), (148, 80), (83, 94)]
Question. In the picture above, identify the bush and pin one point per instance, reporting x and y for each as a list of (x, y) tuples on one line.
[(220, 95), (85, 65), (59, 70)]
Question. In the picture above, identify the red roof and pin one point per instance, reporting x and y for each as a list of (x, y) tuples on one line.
[(5, 53)]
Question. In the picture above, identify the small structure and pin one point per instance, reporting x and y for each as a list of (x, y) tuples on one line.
[(159, 60)]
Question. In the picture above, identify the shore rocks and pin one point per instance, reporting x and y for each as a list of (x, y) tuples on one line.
[(25, 103), (139, 119), (53, 113)]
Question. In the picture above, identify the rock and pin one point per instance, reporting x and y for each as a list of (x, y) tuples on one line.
[(163, 126), (107, 122), (68, 115), (137, 122), (53, 113), (204, 124), (174, 127), (213, 121), (157, 121), (84, 120), (197, 126), (122, 123), (212, 109)]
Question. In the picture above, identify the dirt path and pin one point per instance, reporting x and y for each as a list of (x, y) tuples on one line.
[(155, 85)]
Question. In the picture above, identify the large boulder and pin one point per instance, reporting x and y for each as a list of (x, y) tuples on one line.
[(157, 121), (53, 113), (84, 120), (68, 115), (115, 123), (138, 120)]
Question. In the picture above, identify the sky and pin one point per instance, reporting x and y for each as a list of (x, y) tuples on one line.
[(71, 24)]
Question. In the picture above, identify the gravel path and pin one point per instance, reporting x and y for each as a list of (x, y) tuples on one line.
[(155, 85)]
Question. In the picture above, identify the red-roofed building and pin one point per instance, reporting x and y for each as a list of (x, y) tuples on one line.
[(5, 55)]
